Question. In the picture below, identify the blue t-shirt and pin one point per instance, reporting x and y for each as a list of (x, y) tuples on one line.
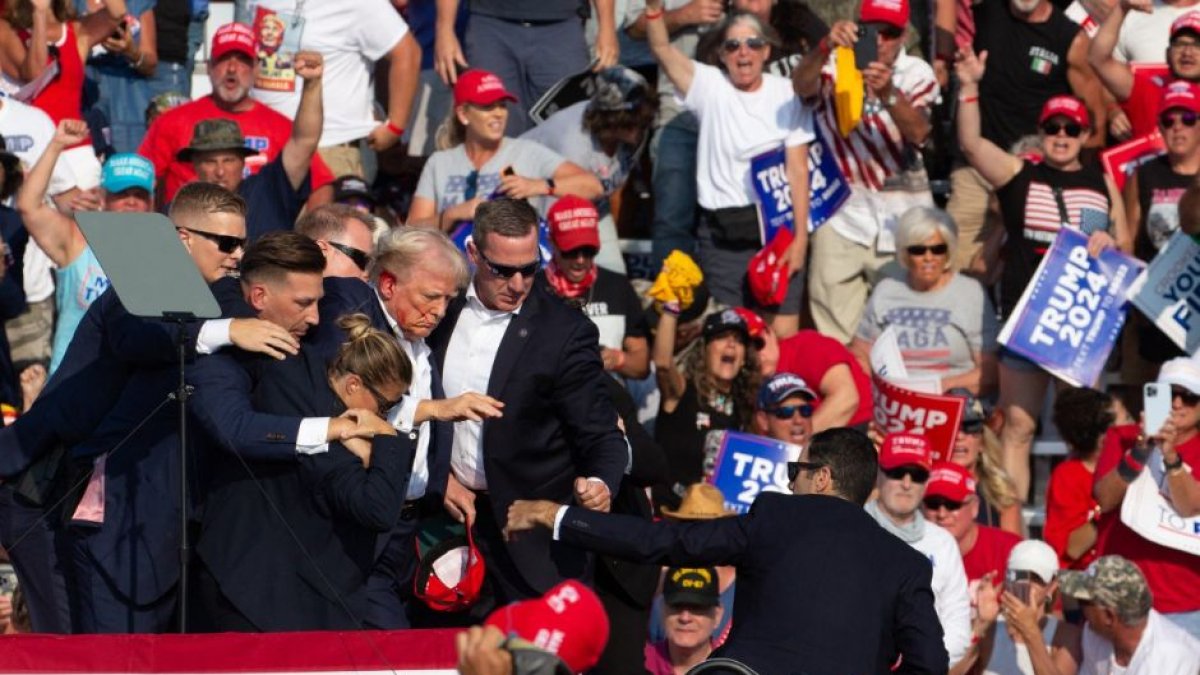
[(271, 201), (76, 287)]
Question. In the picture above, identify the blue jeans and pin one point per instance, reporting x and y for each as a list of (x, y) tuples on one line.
[(674, 182)]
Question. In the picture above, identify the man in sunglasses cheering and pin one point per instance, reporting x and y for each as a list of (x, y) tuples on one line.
[(786, 406), (905, 461)]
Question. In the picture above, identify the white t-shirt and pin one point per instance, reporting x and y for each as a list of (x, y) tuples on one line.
[(1165, 649), (352, 36), (951, 599), (1144, 37), (735, 125)]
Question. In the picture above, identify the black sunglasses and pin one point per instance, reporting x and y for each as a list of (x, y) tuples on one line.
[(1168, 120), (226, 243), (1184, 395), (786, 412), (917, 474), (974, 427), (937, 503), (733, 44), (891, 32), (383, 403), (794, 468), (1071, 129), (918, 250), (509, 271), (360, 258), (585, 251), (472, 186)]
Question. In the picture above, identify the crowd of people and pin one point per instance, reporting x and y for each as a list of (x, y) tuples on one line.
[(440, 394)]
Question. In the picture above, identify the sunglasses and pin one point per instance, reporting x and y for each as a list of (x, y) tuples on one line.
[(794, 468), (973, 428), (1071, 129), (1184, 44), (383, 404), (1187, 118), (226, 243), (509, 271), (359, 257), (585, 251), (918, 250), (733, 44), (472, 186), (890, 32), (938, 503), (1184, 395), (786, 412), (917, 474)]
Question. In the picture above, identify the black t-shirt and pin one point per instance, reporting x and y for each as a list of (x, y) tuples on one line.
[(612, 295), (1026, 65), (682, 433), (271, 201), (1031, 205), (1159, 191), (171, 19)]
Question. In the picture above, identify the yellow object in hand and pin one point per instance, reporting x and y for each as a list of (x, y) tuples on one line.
[(678, 280), (848, 91)]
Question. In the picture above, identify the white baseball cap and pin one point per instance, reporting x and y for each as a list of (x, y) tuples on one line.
[(1035, 556)]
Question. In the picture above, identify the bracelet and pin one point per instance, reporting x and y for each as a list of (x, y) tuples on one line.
[(550, 187), (824, 46), (671, 308), (140, 60), (652, 15), (1173, 466), (394, 128), (1129, 468), (968, 99)]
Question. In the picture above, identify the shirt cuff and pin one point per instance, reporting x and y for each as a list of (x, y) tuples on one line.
[(402, 416), (214, 334), (558, 518), (310, 439)]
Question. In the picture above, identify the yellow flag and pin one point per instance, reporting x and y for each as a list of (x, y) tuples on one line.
[(847, 91)]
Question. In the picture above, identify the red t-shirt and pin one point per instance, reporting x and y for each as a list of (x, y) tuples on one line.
[(810, 355), (1142, 106), (62, 99), (990, 553), (1173, 576), (264, 129), (1069, 501)]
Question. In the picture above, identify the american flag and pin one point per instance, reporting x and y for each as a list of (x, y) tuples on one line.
[(1042, 216)]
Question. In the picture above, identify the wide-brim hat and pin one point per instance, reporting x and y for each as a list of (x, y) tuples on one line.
[(216, 135), (701, 502)]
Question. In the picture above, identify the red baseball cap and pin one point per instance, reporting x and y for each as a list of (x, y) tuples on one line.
[(1066, 106), (479, 87), (574, 222), (1189, 21), (891, 12), (232, 37), (754, 324), (765, 274), (450, 570), (951, 481), (1180, 94), (904, 449), (567, 621)]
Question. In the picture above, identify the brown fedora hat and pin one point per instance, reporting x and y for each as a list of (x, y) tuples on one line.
[(701, 502)]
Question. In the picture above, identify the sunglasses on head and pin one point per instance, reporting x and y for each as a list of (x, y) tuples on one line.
[(731, 45), (794, 468), (585, 251), (1187, 118), (1184, 395), (974, 427), (1071, 129), (786, 412), (383, 404), (359, 257), (226, 243), (509, 271), (937, 503), (917, 474), (918, 250)]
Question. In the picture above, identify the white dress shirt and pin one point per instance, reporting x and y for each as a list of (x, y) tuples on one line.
[(403, 414), (468, 367)]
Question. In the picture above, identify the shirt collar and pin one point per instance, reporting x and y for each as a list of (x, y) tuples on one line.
[(474, 301)]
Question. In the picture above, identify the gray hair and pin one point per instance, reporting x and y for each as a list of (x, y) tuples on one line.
[(405, 249), (920, 223)]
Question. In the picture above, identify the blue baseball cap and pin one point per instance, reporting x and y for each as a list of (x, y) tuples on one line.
[(127, 170), (779, 387)]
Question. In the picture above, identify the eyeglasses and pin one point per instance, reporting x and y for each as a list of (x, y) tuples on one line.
[(360, 258), (794, 468), (382, 403), (1184, 395), (509, 271), (226, 243), (585, 251), (754, 44), (1182, 45), (786, 412), (938, 503), (1071, 129), (973, 428), (472, 187), (917, 474), (1187, 118), (918, 250)]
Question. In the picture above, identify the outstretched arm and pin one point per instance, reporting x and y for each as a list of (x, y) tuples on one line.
[(678, 67), (310, 117), (55, 233), (995, 165)]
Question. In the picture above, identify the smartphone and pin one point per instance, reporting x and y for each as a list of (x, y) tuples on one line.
[(866, 49), (1018, 582), (1156, 406), (8, 580)]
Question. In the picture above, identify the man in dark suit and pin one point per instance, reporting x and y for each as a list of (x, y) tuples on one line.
[(558, 436), (822, 589)]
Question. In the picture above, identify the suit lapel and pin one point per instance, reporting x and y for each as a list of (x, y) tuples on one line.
[(516, 336)]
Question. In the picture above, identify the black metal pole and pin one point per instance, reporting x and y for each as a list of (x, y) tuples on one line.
[(184, 549)]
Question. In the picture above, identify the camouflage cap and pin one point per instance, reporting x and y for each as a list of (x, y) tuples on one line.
[(1111, 581)]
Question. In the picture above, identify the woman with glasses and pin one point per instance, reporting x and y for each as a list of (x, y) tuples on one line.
[(742, 110), (475, 161), (1036, 201), (943, 321)]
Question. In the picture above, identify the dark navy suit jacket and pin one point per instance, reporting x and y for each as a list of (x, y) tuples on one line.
[(821, 588)]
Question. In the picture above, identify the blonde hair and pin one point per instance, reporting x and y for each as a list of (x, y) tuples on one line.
[(450, 133), (996, 486), (370, 353)]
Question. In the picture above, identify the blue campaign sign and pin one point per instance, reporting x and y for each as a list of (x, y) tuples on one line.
[(827, 188), (461, 234), (1071, 313), (744, 465)]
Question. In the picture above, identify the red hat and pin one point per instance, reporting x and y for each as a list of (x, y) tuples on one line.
[(1067, 106), (905, 449), (567, 621), (479, 87), (232, 37), (765, 275), (573, 223), (951, 481), (754, 324), (1180, 94), (891, 12), (450, 570), (1189, 21)]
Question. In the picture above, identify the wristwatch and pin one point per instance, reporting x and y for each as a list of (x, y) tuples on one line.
[(550, 187), (1172, 466)]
